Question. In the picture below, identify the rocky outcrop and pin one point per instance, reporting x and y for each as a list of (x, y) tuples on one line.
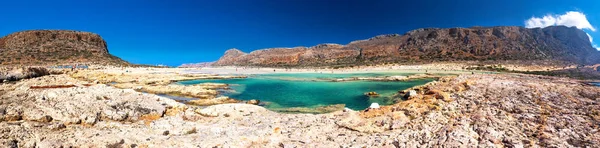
[(558, 44), (14, 73), (372, 94), (49, 47)]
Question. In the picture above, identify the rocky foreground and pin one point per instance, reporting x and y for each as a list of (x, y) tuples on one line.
[(502, 110)]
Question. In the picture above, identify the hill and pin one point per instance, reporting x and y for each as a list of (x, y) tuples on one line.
[(55, 47), (557, 44)]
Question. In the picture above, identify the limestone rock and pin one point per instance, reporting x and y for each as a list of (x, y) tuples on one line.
[(410, 93)]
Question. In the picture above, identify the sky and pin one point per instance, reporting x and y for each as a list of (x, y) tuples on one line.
[(173, 32)]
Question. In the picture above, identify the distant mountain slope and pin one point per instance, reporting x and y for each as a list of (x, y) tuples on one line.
[(196, 65), (556, 43), (51, 47)]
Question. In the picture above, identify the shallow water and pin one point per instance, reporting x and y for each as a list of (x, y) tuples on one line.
[(312, 90)]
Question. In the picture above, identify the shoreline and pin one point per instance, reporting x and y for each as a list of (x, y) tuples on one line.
[(241, 70)]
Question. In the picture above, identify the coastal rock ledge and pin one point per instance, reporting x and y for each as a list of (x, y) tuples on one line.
[(494, 110)]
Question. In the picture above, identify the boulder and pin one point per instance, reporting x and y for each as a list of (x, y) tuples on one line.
[(372, 94), (253, 102), (410, 93), (440, 95)]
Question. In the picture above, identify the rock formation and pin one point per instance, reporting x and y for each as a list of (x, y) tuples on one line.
[(556, 44), (50, 47)]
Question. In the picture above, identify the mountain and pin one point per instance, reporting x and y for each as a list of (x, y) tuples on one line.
[(54, 47), (558, 44), (196, 65)]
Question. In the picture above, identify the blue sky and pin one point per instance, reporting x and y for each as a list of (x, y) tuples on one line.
[(184, 31)]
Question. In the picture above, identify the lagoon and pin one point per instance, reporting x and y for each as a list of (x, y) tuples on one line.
[(313, 90)]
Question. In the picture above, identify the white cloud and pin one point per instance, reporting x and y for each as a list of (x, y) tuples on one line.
[(570, 19)]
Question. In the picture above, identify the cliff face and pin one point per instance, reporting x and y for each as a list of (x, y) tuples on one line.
[(49, 47), (556, 43)]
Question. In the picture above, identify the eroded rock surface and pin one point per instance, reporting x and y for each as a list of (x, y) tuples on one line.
[(79, 104)]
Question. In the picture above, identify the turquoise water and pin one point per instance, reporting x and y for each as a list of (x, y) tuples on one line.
[(312, 90)]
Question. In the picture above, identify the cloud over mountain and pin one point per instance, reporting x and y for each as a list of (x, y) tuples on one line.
[(570, 19)]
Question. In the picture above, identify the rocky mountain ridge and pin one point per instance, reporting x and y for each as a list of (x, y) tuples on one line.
[(558, 44), (51, 47)]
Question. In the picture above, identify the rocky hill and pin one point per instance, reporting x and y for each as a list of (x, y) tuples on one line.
[(557, 44), (52, 47)]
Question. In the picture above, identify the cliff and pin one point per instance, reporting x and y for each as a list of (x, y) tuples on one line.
[(558, 44), (51, 47)]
